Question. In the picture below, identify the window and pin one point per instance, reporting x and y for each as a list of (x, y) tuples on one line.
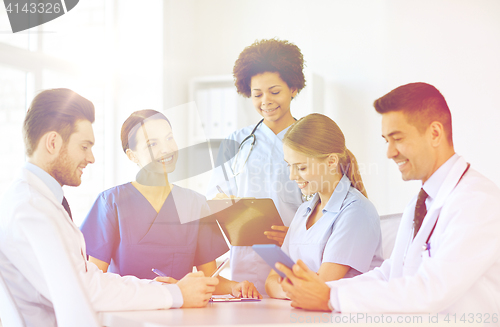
[(92, 50)]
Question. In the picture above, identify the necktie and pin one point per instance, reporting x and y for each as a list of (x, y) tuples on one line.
[(66, 207), (420, 211)]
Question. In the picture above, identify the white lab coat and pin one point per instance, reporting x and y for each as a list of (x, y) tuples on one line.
[(42, 259), (462, 274)]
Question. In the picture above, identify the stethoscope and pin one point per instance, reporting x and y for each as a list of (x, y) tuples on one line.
[(254, 139)]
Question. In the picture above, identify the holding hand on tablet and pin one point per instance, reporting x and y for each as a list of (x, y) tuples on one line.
[(304, 287), (278, 234)]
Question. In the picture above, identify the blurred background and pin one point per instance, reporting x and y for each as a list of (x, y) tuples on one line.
[(176, 56)]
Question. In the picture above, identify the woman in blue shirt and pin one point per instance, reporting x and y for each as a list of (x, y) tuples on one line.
[(336, 233), (151, 223)]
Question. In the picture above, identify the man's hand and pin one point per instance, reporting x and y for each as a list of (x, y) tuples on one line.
[(245, 289), (197, 289), (278, 234), (304, 287)]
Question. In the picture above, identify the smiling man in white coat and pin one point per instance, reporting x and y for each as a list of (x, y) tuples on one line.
[(447, 252), (42, 252)]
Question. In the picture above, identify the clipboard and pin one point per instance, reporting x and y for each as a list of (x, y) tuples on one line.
[(244, 221), (229, 298)]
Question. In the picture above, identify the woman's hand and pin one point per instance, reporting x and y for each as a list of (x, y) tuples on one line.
[(166, 280), (245, 289), (278, 234), (220, 196)]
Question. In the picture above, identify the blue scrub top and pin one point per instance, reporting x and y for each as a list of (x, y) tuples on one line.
[(124, 230), (348, 233)]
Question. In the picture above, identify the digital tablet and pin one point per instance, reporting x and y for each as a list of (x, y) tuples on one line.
[(244, 221), (272, 254)]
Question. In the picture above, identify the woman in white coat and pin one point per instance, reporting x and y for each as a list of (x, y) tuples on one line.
[(270, 73)]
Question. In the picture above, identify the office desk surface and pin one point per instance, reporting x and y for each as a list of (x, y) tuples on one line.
[(267, 311)]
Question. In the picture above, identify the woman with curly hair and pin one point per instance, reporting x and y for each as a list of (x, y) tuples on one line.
[(251, 159)]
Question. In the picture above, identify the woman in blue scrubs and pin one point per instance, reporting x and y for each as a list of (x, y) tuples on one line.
[(270, 73), (150, 223), (337, 233)]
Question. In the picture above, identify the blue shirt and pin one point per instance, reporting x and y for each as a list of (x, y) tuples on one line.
[(348, 233), (124, 230)]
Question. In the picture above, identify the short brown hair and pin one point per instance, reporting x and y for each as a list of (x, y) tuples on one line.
[(422, 104), (55, 110), (270, 55), (132, 124)]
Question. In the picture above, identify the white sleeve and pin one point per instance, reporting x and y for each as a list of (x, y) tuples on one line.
[(378, 274), (60, 259), (459, 262)]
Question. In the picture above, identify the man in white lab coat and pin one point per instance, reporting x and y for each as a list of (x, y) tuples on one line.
[(450, 261), (42, 252)]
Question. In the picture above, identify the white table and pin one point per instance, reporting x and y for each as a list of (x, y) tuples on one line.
[(267, 311), (270, 312)]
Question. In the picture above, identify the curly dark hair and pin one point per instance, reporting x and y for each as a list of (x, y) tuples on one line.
[(270, 55)]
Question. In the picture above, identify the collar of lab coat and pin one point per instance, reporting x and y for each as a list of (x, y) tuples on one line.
[(433, 184), (37, 183), (50, 181), (408, 251)]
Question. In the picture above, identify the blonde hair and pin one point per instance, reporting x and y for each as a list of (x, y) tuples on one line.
[(318, 136)]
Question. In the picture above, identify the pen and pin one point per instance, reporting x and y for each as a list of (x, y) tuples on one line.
[(219, 269), (220, 190), (159, 272)]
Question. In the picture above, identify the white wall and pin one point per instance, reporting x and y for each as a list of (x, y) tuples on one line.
[(363, 49)]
